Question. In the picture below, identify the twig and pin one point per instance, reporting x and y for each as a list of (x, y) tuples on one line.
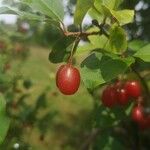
[(90, 139), (82, 34), (101, 27)]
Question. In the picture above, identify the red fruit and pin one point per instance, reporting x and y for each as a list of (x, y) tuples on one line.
[(68, 79), (109, 96), (133, 89), (122, 96), (137, 114), (144, 123)]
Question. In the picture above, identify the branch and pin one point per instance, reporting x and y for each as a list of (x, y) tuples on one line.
[(101, 26), (86, 34), (90, 139), (80, 34)]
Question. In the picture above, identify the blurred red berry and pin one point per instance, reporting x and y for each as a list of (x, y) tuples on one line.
[(122, 96), (133, 89), (137, 114), (109, 96)]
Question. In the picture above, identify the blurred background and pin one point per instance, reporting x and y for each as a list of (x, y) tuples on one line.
[(41, 117)]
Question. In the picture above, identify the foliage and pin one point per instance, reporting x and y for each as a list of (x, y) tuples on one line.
[(112, 55)]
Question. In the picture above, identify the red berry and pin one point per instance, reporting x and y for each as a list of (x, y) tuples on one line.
[(137, 114), (144, 123), (68, 79), (109, 96), (122, 96), (133, 89)]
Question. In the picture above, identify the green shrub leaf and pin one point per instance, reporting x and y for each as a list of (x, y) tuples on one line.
[(135, 45), (118, 40), (144, 53), (51, 8), (82, 8), (97, 69), (61, 49), (22, 14), (123, 16)]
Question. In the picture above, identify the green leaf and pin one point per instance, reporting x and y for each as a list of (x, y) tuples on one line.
[(104, 6), (95, 14), (51, 8), (4, 121), (142, 65), (107, 141), (123, 16), (102, 116), (61, 49), (118, 40), (129, 60), (111, 4), (97, 69), (98, 6), (144, 53), (129, 109), (117, 4), (135, 45), (85, 48), (100, 42), (108, 8), (82, 8), (22, 14)]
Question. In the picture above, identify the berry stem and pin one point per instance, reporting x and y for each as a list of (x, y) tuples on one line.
[(74, 47)]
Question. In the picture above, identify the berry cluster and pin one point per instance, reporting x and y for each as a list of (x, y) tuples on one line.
[(120, 93), (68, 82)]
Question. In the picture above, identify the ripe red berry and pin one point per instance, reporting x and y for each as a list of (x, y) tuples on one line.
[(133, 89), (122, 96), (144, 123), (109, 96), (68, 79), (137, 114)]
